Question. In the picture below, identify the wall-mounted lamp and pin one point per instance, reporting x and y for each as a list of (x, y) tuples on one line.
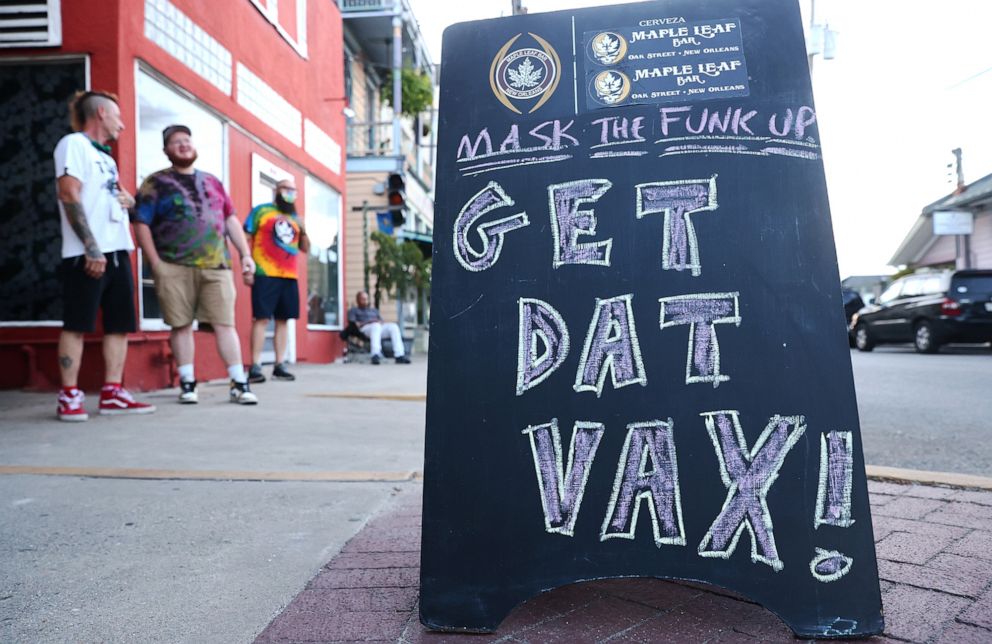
[(346, 110)]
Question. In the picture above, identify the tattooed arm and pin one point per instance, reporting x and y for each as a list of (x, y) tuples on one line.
[(69, 193)]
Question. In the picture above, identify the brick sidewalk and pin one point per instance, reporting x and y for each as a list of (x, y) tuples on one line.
[(935, 561)]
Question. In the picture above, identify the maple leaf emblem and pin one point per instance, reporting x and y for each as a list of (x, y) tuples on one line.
[(525, 75), (606, 48), (609, 86)]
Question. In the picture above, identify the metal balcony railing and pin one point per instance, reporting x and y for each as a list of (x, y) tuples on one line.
[(375, 139)]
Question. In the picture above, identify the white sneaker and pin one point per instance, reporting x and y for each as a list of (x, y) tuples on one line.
[(241, 394), (187, 393)]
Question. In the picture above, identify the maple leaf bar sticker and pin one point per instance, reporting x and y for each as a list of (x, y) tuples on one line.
[(608, 48), (525, 74), (610, 87)]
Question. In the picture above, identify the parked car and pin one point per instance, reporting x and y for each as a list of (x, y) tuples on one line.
[(852, 304), (929, 310)]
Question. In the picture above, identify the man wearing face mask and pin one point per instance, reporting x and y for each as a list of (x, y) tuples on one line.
[(277, 237)]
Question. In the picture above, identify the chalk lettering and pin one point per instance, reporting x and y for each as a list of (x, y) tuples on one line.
[(512, 141), (611, 346), (619, 126), (562, 488), (748, 476), (472, 150), (647, 472), (557, 133), (830, 565), (666, 120), (677, 200), (539, 321), (568, 222), (833, 493), (709, 123), (489, 198), (803, 118), (701, 311)]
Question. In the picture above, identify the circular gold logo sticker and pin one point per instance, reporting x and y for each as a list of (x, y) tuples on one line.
[(608, 48), (525, 73), (610, 87)]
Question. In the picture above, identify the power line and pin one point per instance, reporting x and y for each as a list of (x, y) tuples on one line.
[(970, 78)]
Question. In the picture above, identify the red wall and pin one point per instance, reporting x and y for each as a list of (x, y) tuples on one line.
[(111, 32)]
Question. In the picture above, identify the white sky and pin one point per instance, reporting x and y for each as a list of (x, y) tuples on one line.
[(910, 82)]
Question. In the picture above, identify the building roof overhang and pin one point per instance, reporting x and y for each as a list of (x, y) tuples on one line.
[(920, 238), (371, 25)]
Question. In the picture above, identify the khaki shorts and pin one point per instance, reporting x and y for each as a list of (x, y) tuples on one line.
[(186, 293)]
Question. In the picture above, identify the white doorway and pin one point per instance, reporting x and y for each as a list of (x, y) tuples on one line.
[(265, 175)]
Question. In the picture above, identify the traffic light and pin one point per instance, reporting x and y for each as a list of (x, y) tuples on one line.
[(396, 196)]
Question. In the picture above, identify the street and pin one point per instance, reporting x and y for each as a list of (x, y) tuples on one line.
[(926, 412)]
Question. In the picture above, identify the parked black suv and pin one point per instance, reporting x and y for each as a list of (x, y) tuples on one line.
[(852, 304), (929, 310)]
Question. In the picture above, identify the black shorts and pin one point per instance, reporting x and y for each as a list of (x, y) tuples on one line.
[(275, 297), (83, 296)]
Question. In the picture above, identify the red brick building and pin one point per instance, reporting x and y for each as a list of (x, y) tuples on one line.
[(261, 84)]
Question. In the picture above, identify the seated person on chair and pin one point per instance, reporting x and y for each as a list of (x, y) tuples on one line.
[(370, 322)]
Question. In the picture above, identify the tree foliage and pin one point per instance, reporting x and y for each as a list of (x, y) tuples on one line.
[(398, 267), (418, 92)]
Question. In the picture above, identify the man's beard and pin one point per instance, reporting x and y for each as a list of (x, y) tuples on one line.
[(284, 206), (182, 163)]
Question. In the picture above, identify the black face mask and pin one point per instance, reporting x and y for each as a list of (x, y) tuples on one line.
[(284, 206)]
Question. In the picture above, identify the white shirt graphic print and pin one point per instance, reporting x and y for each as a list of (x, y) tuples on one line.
[(75, 156)]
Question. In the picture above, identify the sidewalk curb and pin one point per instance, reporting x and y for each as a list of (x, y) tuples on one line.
[(901, 475)]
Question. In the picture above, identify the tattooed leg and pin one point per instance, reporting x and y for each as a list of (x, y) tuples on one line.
[(70, 355)]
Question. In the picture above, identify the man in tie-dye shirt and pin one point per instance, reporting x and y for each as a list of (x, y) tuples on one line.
[(277, 236), (182, 221)]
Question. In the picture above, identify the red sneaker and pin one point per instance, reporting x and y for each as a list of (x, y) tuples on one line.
[(71, 406), (118, 400)]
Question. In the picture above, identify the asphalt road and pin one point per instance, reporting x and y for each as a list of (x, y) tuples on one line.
[(926, 412)]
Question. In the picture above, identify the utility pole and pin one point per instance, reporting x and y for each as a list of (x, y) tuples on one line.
[(397, 84), (959, 169), (365, 241), (961, 240), (822, 40)]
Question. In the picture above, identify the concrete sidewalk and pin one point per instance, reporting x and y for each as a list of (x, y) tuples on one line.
[(935, 561), (197, 523)]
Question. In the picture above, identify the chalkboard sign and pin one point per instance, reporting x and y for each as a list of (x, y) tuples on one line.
[(638, 364)]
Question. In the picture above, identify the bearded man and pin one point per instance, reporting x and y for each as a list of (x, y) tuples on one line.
[(277, 236), (183, 220)]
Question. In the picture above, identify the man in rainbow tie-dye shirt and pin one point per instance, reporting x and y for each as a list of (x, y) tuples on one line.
[(277, 236)]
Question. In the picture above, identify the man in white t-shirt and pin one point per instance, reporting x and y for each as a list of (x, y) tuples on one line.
[(96, 247)]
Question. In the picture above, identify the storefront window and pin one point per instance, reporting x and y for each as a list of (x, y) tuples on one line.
[(159, 106), (323, 224), (33, 113)]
